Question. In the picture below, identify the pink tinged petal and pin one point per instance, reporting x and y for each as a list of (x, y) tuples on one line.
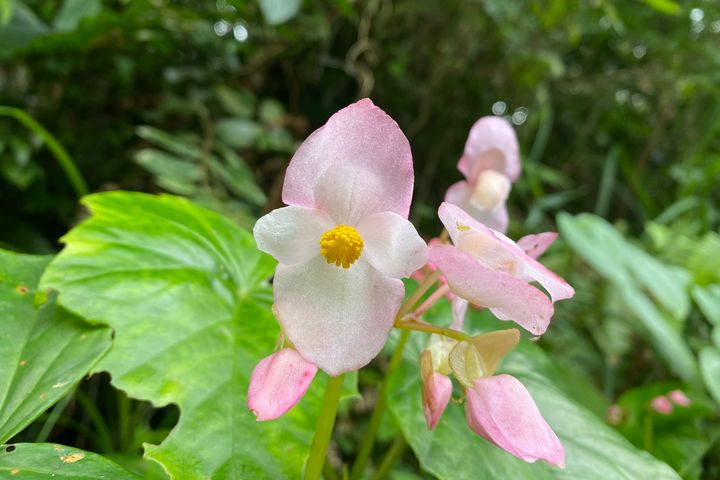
[(497, 251), (678, 397), (459, 193), (436, 393), (337, 318), (501, 410), (459, 310), (392, 245), (292, 234), (436, 389), (491, 145), (536, 245), (357, 164), (278, 382), (662, 405), (507, 297)]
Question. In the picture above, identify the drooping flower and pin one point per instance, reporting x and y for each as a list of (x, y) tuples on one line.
[(498, 407), (490, 163), (488, 269), (344, 241), (437, 387), (278, 382)]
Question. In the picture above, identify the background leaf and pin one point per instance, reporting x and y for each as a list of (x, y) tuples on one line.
[(44, 351), (47, 460), (185, 290)]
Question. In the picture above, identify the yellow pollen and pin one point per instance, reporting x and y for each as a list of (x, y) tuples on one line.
[(341, 245)]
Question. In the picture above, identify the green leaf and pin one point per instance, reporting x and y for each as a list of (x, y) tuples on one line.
[(710, 368), (655, 293), (73, 11), (44, 351), (181, 146), (708, 300), (186, 291), (704, 261), (452, 451), (238, 132), (22, 27), (664, 6), (48, 460), (279, 11)]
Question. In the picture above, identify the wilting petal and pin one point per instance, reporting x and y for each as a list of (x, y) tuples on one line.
[(361, 155), (278, 382), (536, 245), (491, 145), (392, 245), (501, 410), (292, 234), (337, 318), (497, 251), (508, 297)]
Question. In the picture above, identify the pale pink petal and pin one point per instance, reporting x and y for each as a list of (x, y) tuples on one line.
[(497, 251), (459, 310), (679, 398), (497, 218), (436, 393), (459, 193), (278, 382), (361, 157), (507, 297), (292, 234), (535, 245), (662, 405), (491, 145), (501, 410), (337, 318), (392, 245)]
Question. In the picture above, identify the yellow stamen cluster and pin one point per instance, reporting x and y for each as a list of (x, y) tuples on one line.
[(341, 245)]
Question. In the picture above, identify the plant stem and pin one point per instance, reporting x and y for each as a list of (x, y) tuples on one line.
[(369, 439), (52, 419), (60, 154), (324, 428), (432, 300), (429, 328), (394, 453)]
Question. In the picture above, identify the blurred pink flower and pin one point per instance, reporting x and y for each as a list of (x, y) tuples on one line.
[(344, 241), (662, 405), (490, 163), (278, 382), (486, 268), (678, 397)]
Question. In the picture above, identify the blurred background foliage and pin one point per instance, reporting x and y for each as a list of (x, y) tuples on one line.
[(616, 104)]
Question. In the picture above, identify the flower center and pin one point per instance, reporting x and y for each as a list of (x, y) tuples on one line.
[(341, 245), (491, 190)]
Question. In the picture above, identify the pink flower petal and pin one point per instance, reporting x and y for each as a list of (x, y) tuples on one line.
[(496, 250), (678, 397), (292, 234), (459, 310), (459, 193), (507, 297), (662, 405), (436, 393), (536, 245), (392, 245), (501, 410), (337, 318), (278, 382), (357, 164), (491, 145)]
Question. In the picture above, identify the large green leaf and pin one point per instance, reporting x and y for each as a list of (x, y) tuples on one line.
[(44, 351), (21, 28), (710, 367), (47, 460), (186, 292), (654, 293), (452, 451)]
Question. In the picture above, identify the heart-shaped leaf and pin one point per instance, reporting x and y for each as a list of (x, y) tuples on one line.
[(44, 351), (186, 291)]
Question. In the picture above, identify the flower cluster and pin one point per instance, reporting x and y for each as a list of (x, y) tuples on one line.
[(343, 244)]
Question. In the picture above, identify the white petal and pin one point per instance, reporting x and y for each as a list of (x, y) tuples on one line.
[(292, 234), (337, 318), (392, 245)]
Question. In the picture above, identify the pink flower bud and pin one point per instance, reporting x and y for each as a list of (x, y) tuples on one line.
[(662, 405), (678, 397)]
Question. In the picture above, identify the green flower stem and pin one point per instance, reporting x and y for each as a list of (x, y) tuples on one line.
[(429, 328), (391, 457), (60, 154), (324, 428)]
